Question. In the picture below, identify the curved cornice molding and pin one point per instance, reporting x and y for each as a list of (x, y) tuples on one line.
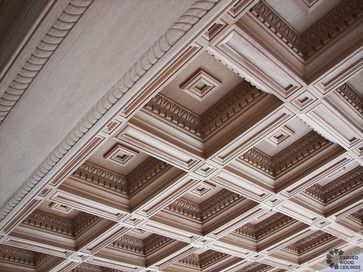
[(182, 25), (44, 50)]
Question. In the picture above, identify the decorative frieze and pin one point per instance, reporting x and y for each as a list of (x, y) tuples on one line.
[(155, 242), (130, 244), (337, 187), (344, 16), (256, 267), (101, 177), (277, 25), (310, 242), (266, 227), (233, 104), (50, 222), (83, 221), (145, 173), (17, 255), (186, 208), (277, 165), (171, 111), (208, 208), (357, 216), (204, 259), (210, 257), (352, 96), (85, 267), (142, 247), (218, 203)]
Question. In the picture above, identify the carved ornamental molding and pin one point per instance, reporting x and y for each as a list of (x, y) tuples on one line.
[(235, 103), (277, 165), (343, 17)]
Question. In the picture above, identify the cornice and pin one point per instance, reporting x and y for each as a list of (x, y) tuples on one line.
[(203, 260), (83, 221), (210, 257), (186, 208), (44, 50), (175, 113), (102, 177), (50, 222), (256, 267), (233, 104), (141, 247), (221, 113), (17, 255), (191, 260), (337, 187), (341, 18), (345, 15), (274, 166), (177, 30), (142, 175), (130, 244), (154, 242), (266, 227), (85, 267), (277, 25), (208, 208), (310, 242), (358, 216), (352, 96), (217, 203)]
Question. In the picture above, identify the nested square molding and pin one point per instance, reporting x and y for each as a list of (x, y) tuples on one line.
[(120, 154), (201, 85)]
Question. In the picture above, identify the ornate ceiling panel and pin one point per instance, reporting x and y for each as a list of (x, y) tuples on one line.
[(243, 152)]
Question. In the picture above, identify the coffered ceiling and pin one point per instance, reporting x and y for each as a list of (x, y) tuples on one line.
[(233, 143)]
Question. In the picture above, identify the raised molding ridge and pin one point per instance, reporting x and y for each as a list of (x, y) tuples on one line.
[(177, 30), (278, 164), (175, 113), (50, 222), (17, 255), (144, 173), (337, 187), (98, 175), (307, 243), (345, 15), (44, 50), (352, 96)]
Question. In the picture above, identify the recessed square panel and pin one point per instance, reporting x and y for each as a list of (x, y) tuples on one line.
[(202, 189), (201, 85), (120, 154)]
